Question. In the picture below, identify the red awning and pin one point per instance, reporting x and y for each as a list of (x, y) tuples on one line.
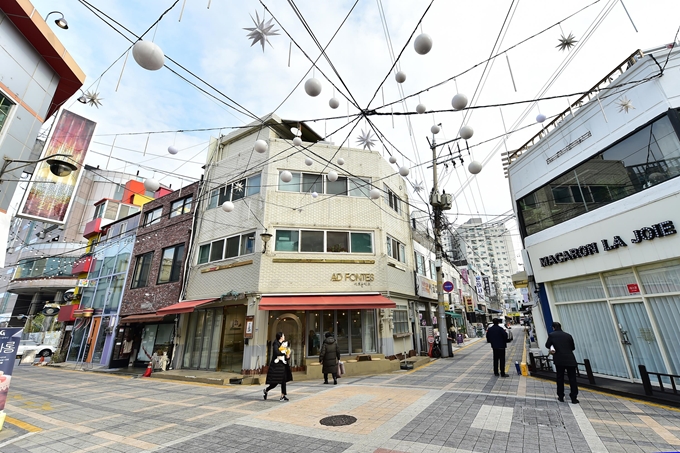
[(186, 306), (150, 317), (66, 313), (327, 302)]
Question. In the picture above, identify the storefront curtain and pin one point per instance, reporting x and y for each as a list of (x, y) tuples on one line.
[(584, 289), (659, 279), (666, 312), (592, 327), (617, 284), (644, 346)]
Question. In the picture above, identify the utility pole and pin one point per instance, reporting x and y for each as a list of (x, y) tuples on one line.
[(439, 202)]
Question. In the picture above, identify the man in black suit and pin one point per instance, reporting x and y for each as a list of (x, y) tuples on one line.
[(564, 360), (498, 338)]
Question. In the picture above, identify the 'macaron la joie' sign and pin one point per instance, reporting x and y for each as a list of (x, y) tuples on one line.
[(658, 230)]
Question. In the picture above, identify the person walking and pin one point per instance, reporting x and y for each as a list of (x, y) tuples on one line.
[(564, 360), (329, 357), (279, 370), (498, 338)]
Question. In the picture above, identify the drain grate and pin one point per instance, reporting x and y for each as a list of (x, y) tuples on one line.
[(338, 420), (533, 416)]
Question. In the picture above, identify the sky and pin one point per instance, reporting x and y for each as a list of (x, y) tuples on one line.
[(210, 41)]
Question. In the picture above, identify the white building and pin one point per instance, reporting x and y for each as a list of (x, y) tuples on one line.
[(598, 202)]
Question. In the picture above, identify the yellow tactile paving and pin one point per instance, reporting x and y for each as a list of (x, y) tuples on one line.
[(381, 406)]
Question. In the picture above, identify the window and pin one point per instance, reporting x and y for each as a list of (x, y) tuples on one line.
[(171, 264), (180, 207), (234, 191), (396, 249), (230, 247), (392, 199), (400, 319), (323, 241), (314, 182), (126, 210), (433, 270), (5, 107), (140, 278), (644, 159), (338, 187), (153, 217), (99, 211), (420, 264)]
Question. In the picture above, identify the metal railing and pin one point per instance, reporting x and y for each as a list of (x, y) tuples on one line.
[(647, 382), (545, 363)]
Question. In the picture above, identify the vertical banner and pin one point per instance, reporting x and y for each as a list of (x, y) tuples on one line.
[(464, 276), (487, 285), (49, 197), (478, 285), (9, 343)]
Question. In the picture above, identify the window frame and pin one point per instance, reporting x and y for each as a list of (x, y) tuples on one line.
[(393, 200), (240, 249), (352, 184), (155, 220), (8, 115), (400, 321), (324, 249), (176, 265), (145, 259), (225, 192), (179, 207), (394, 246)]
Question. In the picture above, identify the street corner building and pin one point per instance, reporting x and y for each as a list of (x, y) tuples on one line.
[(597, 197)]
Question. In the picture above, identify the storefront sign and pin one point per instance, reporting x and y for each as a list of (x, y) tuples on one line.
[(633, 288), (487, 285), (480, 288), (348, 277), (9, 342), (469, 306), (248, 333), (426, 288), (658, 230), (84, 283)]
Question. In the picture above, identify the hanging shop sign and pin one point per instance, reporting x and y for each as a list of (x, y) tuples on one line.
[(487, 285), (478, 285), (9, 342), (658, 230), (248, 333), (469, 305), (426, 288)]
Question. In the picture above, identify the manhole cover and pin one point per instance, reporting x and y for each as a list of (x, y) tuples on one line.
[(338, 420), (542, 417)]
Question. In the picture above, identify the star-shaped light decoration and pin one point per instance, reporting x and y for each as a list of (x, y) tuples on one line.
[(93, 99), (262, 31), (567, 43), (418, 187), (624, 104), (238, 187), (366, 139)]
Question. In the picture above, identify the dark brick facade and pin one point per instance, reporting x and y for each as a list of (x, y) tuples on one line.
[(166, 233)]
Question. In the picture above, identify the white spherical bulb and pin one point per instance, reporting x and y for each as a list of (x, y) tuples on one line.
[(341, 161), (314, 194), (435, 129), (474, 167), (420, 108), (459, 101), (148, 55), (308, 161), (334, 103), (393, 160), (313, 87), (297, 141), (172, 150), (400, 77), (286, 176), (404, 171), (260, 146), (466, 132), (423, 43), (227, 206), (151, 184), (374, 194), (332, 176), (540, 118)]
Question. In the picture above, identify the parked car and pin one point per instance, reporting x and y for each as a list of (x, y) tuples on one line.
[(42, 350), (505, 327)]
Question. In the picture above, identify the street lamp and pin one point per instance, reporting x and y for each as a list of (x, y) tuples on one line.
[(61, 22), (265, 238), (58, 167)]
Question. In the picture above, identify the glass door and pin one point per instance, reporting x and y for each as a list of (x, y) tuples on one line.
[(637, 336), (231, 356)]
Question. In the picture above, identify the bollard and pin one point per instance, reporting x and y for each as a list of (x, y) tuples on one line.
[(519, 370)]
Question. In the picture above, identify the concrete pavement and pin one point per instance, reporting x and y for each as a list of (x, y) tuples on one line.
[(451, 405)]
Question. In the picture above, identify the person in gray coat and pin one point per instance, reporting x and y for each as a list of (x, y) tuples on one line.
[(564, 360), (329, 357)]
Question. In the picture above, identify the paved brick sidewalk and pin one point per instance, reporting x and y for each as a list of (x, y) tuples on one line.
[(452, 405)]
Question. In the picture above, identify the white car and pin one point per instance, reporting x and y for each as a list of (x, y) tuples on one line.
[(505, 327), (41, 350)]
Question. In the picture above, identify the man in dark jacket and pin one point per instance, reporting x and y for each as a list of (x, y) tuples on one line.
[(564, 360), (329, 357), (498, 338)]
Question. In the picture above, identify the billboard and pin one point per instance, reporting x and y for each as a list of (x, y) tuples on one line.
[(49, 197)]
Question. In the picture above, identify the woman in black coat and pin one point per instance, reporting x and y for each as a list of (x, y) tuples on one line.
[(279, 369), (329, 357)]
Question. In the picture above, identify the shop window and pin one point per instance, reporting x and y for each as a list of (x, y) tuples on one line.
[(230, 247), (354, 330), (171, 264), (400, 320), (588, 288), (180, 207), (337, 241), (286, 241), (153, 217), (311, 241), (361, 242), (140, 277), (319, 241)]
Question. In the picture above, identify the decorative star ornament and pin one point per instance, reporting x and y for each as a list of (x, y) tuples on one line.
[(93, 99), (262, 31), (418, 187), (366, 139), (567, 43), (238, 187), (624, 104)]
